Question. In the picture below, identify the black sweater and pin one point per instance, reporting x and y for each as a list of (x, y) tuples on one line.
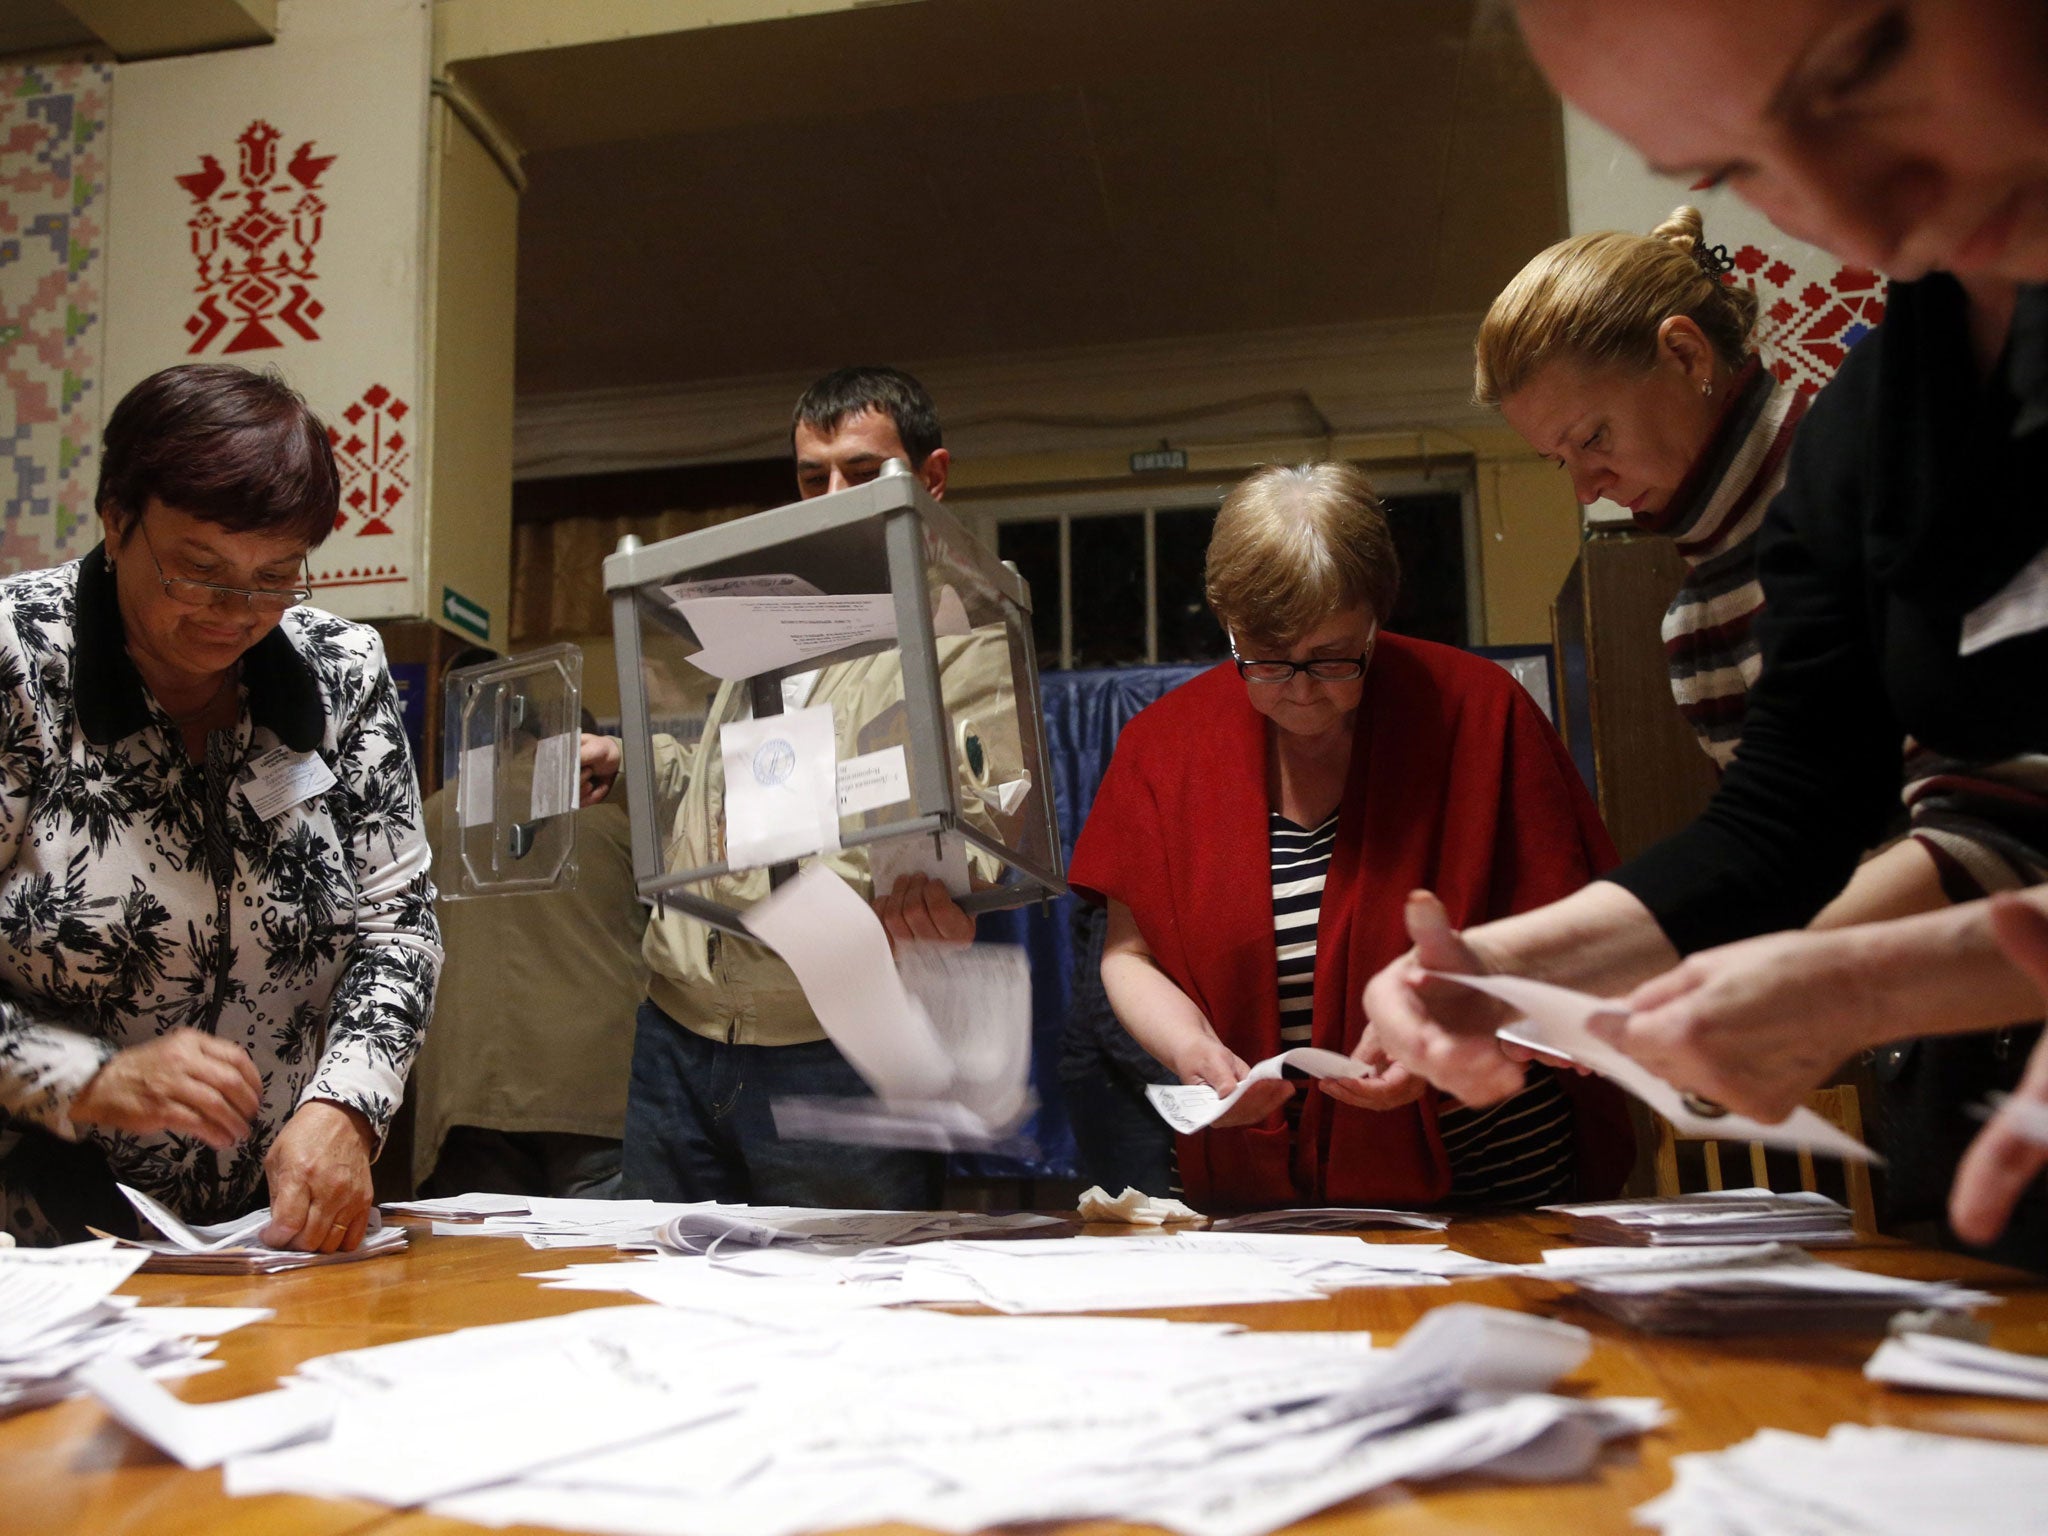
[(1915, 492)]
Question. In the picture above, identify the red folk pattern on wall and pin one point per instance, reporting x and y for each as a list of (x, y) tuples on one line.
[(374, 457), (253, 237), (1807, 327)]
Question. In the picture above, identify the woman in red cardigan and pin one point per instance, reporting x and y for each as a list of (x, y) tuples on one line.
[(1256, 835)]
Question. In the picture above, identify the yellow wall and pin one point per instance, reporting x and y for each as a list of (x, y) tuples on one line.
[(473, 240)]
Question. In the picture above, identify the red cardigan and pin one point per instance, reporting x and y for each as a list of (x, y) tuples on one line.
[(1457, 785)]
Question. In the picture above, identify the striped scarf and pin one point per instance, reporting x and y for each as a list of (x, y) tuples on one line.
[(1713, 519)]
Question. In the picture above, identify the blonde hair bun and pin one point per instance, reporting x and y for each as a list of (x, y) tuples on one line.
[(1685, 229)]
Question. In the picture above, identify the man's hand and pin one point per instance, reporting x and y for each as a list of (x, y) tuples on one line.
[(598, 759), (1754, 1025), (2003, 1161), (1208, 1061), (1439, 1030), (184, 1082), (922, 908), (319, 1171)]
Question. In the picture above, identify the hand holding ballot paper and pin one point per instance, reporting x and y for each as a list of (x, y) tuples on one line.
[(1556, 1021)]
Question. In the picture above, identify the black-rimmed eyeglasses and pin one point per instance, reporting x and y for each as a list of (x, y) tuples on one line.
[(1323, 669), (205, 594)]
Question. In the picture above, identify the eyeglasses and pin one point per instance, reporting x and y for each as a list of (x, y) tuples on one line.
[(1324, 669), (205, 594)]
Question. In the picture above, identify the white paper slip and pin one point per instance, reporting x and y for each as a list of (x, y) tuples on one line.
[(197, 1239), (275, 781), (554, 775), (479, 791), (1330, 1218), (840, 953), (1931, 1363), (779, 585), (2020, 607), (2022, 1116), (746, 636), (1554, 1022), (206, 1434), (943, 859), (1190, 1107), (873, 780), (781, 787)]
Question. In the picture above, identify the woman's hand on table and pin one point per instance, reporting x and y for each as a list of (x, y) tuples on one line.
[(184, 1082), (921, 908), (1755, 1025), (1208, 1062), (1390, 1086), (2004, 1160), (1437, 1030), (319, 1172)]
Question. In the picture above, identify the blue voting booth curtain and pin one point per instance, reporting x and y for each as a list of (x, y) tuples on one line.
[(1084, 711)]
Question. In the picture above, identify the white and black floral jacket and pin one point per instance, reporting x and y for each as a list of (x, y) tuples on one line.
[(141, 891)]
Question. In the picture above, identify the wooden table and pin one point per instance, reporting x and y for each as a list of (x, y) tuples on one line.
[(67, 1469)]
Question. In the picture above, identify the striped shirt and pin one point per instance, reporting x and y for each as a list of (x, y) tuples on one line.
[(1713, 518), (1518, 1152), (1301, 863)]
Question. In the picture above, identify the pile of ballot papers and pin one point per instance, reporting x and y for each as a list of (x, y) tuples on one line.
[(1050, 1275), (1714, 1216), (672, 1423), (237, 1247), (1858, 1481), (59, 1316), (706, 1229), (1928, 1362), (1745, 1288)]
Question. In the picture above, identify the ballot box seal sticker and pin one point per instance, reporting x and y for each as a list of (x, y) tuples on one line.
[(774, 762)]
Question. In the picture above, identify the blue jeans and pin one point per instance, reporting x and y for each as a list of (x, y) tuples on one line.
[(700, 1126), (1119, 1138)]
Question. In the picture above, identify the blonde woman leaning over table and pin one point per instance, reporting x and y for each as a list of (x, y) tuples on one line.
[(1254, 835), (1909, 138)]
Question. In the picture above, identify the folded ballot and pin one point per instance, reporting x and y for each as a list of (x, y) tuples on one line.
[(1928, 1362), (1760, 1288), (1714, 1217), (1554, 1021), (1190, 1107), (706, 1229), (237, 1247), (1330, 1218)]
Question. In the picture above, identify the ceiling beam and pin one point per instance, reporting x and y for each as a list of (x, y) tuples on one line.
[(487, 29), (149, 29)]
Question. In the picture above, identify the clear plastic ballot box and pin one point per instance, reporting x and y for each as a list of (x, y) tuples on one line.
[(850, 678)]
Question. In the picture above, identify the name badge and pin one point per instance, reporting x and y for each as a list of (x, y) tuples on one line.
[(275, 781)]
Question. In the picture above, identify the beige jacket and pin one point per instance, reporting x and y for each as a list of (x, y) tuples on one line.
[(727, 988), (533, 1026)]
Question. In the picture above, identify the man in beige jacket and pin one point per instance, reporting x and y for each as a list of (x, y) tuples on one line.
[(725, 1029)]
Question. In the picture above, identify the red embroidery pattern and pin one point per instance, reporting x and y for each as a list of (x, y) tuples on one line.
[(357, 576), (1806, 329), (254, 242), (374, 460)]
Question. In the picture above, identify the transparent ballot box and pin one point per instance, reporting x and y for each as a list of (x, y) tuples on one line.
[(510, 733), (850, 678)]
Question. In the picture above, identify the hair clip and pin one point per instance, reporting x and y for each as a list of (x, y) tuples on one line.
[(1713, 260)]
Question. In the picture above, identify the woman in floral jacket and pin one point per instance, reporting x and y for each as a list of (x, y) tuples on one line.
[(217, 940)]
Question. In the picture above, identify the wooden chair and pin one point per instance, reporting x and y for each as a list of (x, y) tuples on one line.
[(1836, 1105)]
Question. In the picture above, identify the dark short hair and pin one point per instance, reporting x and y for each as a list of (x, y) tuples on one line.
[(226, 445), (846, 392)]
